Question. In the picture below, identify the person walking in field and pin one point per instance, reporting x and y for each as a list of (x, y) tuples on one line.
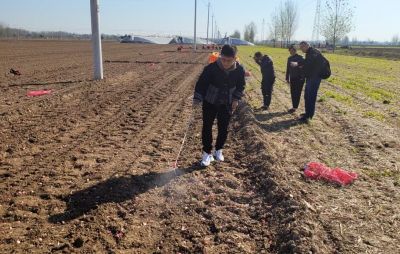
[(315, 68), (219, 88), (268, 77), (295, 77)]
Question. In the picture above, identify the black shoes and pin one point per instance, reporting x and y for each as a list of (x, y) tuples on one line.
[(305, 120)]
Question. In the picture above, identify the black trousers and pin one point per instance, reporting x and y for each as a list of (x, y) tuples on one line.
[(310, 96), (223, 115), (296, 87), (266, 88)]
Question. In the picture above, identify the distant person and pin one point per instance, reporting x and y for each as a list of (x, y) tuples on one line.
[(219, 88), (268, 77), (295, 77), (315, 68)]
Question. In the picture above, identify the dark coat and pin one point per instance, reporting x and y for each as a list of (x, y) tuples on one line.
[(295, 73), (267, 70), (313, 63), (217, 86)]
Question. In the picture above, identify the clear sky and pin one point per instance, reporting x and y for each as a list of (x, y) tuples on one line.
[(377, 20)]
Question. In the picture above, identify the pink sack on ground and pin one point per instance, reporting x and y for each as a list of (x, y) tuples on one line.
[(319, 171), (247, 74), (38, 93)]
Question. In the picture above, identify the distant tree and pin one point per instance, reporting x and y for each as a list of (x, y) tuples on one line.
[(7, 32), (2, 31), (274, 28), (236, 34), (282, 25), (346, 41), (290, 18), (395, 40), (253, 31), (337, 20), (285, 22), (250, 32), (246, 34)]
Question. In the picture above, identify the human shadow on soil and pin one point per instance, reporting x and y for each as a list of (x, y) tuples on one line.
[(115, 190), (276, 126), (268, 116)]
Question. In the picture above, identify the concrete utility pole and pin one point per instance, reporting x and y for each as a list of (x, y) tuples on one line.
[(208, 20), (216, 30), (96, 40), (195, 25), (212, 28)]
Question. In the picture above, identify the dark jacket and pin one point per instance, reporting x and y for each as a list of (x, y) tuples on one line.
[(313, 63), (217, 86), (295, 73), (267, 70)]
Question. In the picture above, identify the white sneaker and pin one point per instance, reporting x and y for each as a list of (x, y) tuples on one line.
[(218, 155), (207, 159)]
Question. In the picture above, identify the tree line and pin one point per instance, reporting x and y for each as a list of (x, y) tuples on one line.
[(283, 25), (16, 33), (336, 22)]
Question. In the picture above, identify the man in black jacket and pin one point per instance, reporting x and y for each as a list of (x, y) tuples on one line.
[(219, 88), (312, 70), (268, 77), (295, 77)]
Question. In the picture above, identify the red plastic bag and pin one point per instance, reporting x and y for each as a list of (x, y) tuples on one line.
[(38, 93), (319, 171)]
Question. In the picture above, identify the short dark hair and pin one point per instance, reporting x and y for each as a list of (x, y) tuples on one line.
[(228, 50), (258, 54), (292, 47), (304, 43)]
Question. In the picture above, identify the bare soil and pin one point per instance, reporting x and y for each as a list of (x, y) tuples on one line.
[(87, 169)]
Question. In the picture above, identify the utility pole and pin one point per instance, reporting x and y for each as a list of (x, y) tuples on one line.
[(216, 30), (208, 20), (195, 25), (96, 40), (212, 28)]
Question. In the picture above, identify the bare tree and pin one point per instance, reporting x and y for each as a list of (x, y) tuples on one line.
[(291, 19), (250, 32), (274, 28), (395, 40), (346, 41), (287, 20), (354, 41), (236, 34), (246, 33), (337, 20), (282, 25)]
